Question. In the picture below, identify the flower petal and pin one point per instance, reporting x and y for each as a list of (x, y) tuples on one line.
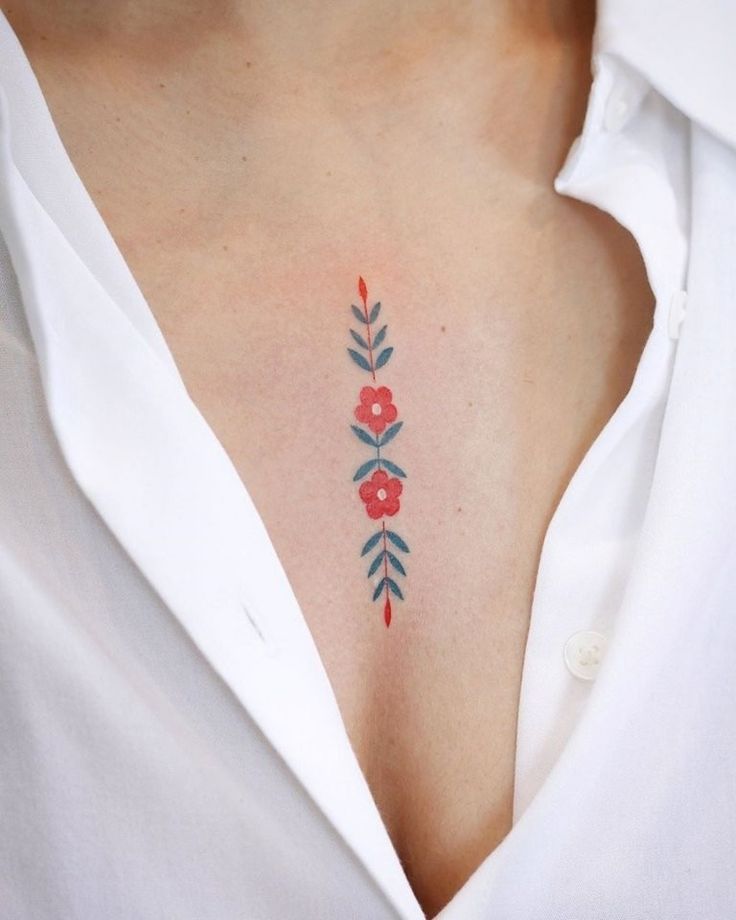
[(391, 506), (390, 412), (367, 490), (394, 488)]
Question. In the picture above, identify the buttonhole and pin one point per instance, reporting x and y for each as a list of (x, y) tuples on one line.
[(265, 640)]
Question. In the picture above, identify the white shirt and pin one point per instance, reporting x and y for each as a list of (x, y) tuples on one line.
[(170, 743)]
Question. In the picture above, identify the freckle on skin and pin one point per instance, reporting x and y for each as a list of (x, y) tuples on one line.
[(162, 84), (224, 247), (459, 509), (470, 403), (442, 328)]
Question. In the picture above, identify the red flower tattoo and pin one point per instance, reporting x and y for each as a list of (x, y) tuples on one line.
[(376, 409), (381, 494)]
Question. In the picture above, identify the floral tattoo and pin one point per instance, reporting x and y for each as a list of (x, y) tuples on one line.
[(381, 492)]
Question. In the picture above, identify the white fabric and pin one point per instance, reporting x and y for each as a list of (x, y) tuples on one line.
[(170, 743)]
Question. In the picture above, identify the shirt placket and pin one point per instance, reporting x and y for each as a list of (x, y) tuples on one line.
[(631, 161)]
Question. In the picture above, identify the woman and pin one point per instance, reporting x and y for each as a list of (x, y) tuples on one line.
[(367, 493)]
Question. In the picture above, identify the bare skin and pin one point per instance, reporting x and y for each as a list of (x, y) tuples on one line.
[(251, 159)]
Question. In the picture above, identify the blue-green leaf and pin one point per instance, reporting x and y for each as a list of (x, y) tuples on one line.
[(380, 336), (359, 359), (390, 433), (375, 564), (395, 562), (359, 314), (365, 468), (371, 542), (392, 468), (364, 436), (397, 541), (379, 588), (359, 339), (383, 357), (394, 587), (374, 313)]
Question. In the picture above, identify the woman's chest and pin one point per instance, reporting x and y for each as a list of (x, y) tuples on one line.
[(504, 343), (433, 494)]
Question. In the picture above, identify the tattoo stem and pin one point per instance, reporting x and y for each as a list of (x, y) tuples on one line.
[(387, 609), (364, 298)]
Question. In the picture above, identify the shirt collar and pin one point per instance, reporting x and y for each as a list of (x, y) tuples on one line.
[(685, 50)]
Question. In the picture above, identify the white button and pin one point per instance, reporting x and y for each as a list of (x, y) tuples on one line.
[(583, 653), (619, 107), (678, 307)]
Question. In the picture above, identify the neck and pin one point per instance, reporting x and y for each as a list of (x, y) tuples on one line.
[(512, 74), (325, 34)]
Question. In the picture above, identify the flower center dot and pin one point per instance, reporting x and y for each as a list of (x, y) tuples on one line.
[(381, 493), (376, 408)]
